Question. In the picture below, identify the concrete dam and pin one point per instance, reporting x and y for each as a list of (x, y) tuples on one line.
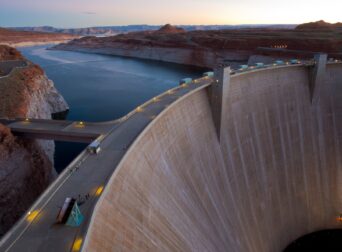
[(244, 161)]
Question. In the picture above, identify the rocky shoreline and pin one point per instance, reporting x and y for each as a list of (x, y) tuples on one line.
[(185, 56)]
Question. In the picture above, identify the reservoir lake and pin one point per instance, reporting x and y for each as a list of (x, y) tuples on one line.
[(101, 88)]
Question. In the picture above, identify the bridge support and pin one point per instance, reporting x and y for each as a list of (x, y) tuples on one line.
[(317, 77), (218, 95)]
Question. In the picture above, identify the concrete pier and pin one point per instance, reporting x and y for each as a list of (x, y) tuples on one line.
[(318, 76), (218, 93)]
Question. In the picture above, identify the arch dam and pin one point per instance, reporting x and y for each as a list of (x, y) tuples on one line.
[(247, 160)]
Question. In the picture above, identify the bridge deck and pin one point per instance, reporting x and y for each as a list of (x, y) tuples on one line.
[(58, 130)]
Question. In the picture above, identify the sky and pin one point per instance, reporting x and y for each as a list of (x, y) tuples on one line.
[(87, 13)]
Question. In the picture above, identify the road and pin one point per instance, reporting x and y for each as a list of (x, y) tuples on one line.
[(7, 66)]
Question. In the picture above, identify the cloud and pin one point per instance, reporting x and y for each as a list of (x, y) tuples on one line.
[(89, 13)]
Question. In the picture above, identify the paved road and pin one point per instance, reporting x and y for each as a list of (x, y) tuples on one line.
[(7, 66), (87, 174)]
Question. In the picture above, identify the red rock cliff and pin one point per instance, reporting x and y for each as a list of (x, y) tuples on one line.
[(26, 166), (25, 171)]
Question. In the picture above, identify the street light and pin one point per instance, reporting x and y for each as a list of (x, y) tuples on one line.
[(77, 244), (99, 191), (31, 215)]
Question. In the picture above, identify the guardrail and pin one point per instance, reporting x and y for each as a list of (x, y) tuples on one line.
[(156, 98)]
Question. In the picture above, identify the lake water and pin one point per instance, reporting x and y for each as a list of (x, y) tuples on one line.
[(99, 87)]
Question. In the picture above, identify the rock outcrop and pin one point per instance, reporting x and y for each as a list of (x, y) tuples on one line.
[(319, 25), (170, 29), (26, 166)]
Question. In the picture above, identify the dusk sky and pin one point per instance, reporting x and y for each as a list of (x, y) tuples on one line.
[(84, 13)]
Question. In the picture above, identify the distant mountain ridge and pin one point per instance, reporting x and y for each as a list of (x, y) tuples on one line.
[(170, 29), (113, 30), (319, 25)]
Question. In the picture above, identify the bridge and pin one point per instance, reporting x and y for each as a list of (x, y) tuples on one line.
[(59, 130), (210, 165)]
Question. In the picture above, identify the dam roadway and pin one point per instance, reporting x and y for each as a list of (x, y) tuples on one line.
[(247, 161)]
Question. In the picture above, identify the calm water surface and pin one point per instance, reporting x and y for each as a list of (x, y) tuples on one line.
[(100, 88)]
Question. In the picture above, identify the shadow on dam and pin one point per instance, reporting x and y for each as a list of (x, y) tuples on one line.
[(325, 240), (272, 176)]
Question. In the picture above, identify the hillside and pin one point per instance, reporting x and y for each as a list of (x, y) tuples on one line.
[(9, 53)]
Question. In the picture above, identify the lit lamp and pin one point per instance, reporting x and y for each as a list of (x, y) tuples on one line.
[(99, 190), (31, 215), (77, 244)]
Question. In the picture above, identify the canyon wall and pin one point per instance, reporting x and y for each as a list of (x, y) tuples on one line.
[(26, 166), (275, 175), (25, 171)]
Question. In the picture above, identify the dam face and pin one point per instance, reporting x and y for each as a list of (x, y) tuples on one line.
[(274, 175)]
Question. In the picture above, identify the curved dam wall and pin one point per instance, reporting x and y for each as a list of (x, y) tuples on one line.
[(274, 176)]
